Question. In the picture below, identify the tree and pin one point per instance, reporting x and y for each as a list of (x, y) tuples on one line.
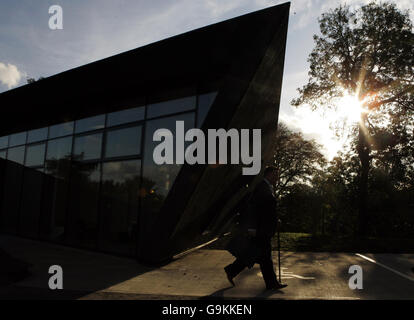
[(367, 53), (33, 80), (298, 159)]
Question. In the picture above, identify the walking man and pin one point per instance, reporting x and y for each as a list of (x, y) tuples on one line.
[(260, 223)]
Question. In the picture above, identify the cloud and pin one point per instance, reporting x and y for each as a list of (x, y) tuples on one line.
[(308, 11), (10, 75)]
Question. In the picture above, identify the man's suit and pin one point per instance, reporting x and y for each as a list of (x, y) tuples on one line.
[(262, 217)]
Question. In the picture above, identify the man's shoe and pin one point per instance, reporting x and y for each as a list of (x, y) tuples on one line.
[(229, 277), (277, 287)]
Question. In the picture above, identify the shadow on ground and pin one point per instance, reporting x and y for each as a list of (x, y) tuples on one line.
[(11, 269), (24, 270)]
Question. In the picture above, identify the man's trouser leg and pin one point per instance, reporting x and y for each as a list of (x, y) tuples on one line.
[(235, 268), (266, 266)]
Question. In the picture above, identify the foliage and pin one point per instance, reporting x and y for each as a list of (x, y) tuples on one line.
[(298, 159), (368, 53)]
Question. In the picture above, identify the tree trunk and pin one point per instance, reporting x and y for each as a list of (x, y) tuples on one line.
[(364, 151)]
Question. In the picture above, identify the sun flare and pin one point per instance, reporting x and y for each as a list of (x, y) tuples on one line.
[(350, 108)]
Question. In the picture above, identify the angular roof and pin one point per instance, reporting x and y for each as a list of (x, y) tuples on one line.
[(234, 48)]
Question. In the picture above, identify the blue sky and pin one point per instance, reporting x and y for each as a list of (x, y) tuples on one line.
[(96, 29)]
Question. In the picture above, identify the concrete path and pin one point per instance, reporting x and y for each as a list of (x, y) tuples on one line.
[(200, 275)]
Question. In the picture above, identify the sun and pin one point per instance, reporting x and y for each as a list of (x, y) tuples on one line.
[(350, 108)]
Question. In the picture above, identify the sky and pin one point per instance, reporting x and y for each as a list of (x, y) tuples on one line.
[(96, 29)]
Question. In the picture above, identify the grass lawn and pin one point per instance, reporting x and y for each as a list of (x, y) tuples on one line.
[(318, 243)]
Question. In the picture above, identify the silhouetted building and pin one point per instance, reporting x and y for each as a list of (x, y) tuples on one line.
[(79, 168)]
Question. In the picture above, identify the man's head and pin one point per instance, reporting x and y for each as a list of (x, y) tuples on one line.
[(271, 174)]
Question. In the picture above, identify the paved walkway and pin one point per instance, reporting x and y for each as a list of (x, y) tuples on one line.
[(199, 275)]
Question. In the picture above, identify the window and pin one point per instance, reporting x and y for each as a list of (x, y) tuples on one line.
[(157, 179), (171, 106), (60, 130), (90, 124), (162, 176), (16, 155), (57, 168), (37, 135), (58, 157), (4, 142), (59, 148), (125, 116), (123, 142), (11, 201), (18, 139), (3, 154), (30, 203), (119, 205), (88, 147), (35, 155), (204, 104), (83, 205)]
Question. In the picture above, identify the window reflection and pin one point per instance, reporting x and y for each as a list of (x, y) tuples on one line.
[(58, 157), (37, 135), (4, 142), (90, 124), (171, 106), (123, 142), (60, 130), (10, 204), (125, 116), (119, 205), (88, 147), (30, 204), (205, 101), (83, 204), (53, 214), (57, 168), (18, 139), (35, 155), (158, 179), (16, 155)]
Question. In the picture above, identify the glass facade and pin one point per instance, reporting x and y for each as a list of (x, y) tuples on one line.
[(204, 103), (125, 116), (37, 135), (172, 106), (61, 130), (35, 155), (88, 147), (86, 183), (17, 139), (123, 142), (4, 142), (90, 124), (16, 154), (119, 205)]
